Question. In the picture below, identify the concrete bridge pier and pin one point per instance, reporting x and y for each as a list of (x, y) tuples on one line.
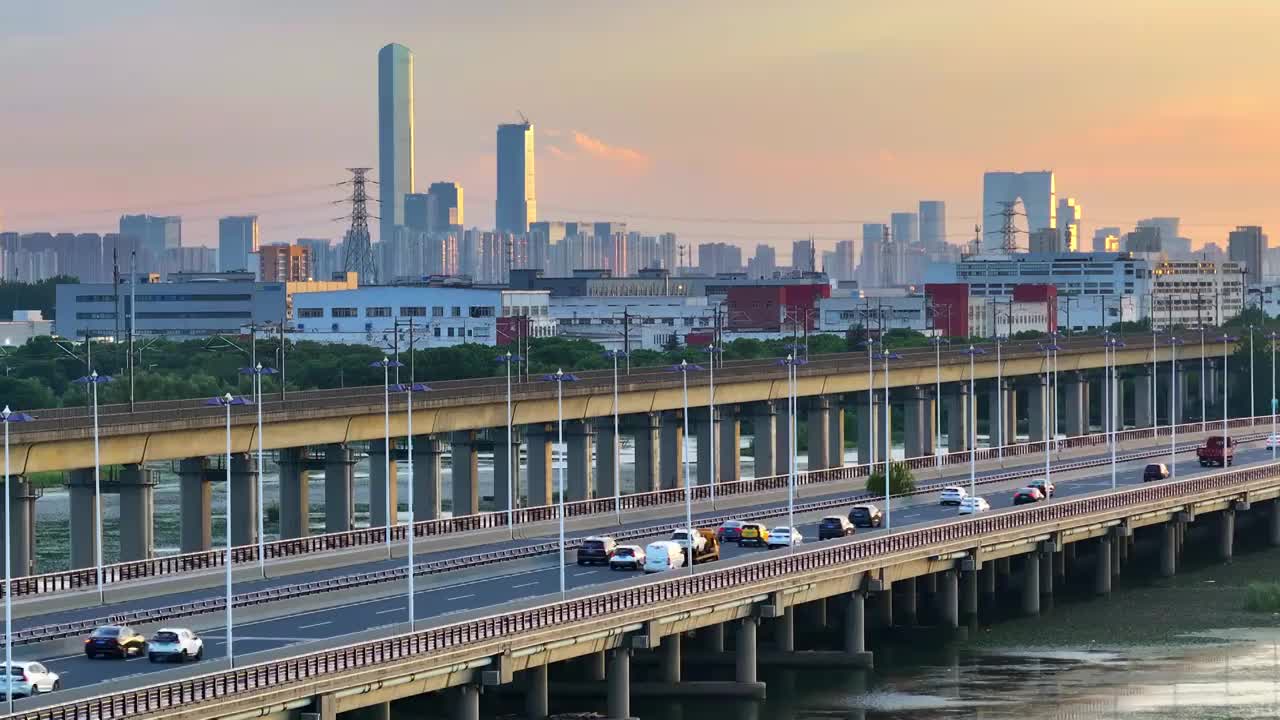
[(1102, 567), (1046, 572), (819, 424), (884, 607), (818, 613), (1117, 554), (907, 594), (704, 431), (959, 415), (295, 494), (987, 582), (1226, 534), (579, 439), (784, 630), (729, 459), (1031, 584), (464, 467), (1210, 385), (835, 432), (669, 662), (1142, 396), (870, 447), (1180, 400), (1038, 420), (619, 693), (382, 485), (1273, 522), (84, 509), (466, 702), (426, 478), (195, 502), (1188, 388), (21, 541), (597, 666), (712, 638), (969, 595), (539, 438), (996, 394), (1077, 403), (506, 467), (339, 503), (764, 437), (243, 513), (671, 469), (1168, 550), (137, 513), (785, 449), (605, 460), (948, 599), (744, 653), (919, 426), (855, 623), (536, 702)]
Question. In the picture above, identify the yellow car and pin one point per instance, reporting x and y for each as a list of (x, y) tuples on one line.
[(754, 534)]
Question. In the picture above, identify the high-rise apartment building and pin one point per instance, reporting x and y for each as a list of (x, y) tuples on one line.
[(150, 235), (446, 206), (843, 261), (1069, 218), (237, 239), (764, 263), (717, 258), (904, 228), (395, 135), (324, 257), (933, 225), (517, 204), (1247, 244), (285, 263), (417, 212), (1107, 239), (803, 256), (1037, 192), (871, 268)]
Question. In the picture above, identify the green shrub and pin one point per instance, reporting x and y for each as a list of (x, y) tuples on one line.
[(1262, 597), (901, 480)]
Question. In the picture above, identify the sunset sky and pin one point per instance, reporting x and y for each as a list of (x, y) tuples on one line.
[(741, 121)]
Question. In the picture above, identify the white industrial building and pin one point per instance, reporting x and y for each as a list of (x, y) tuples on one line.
[(1195, 293), (988, 316), (655, 321)]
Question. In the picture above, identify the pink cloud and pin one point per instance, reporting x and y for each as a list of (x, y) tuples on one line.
[(628, 158)]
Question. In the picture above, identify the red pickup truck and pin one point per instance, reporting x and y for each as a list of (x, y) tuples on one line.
[(1217, 450)]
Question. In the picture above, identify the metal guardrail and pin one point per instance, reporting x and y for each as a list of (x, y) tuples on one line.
[(273, 674), (85, 578)]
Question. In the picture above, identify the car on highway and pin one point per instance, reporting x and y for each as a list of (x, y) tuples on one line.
[(1155, 471), (952, 496), (29, 678), (175, 645), (834, 526), (1273, 440), (663, 555), (1217, 450), (730, 531), (627, 557), (1045, 486), (754, 534), (973, 504), (681, 536), (866, 516), (114, 640), (596, 550), (783, 536), (1028, 494)]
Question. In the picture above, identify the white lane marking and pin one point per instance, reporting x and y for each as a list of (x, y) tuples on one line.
[(390, 610), (460, 597), (523, 585), (315, 625), (589, 572)]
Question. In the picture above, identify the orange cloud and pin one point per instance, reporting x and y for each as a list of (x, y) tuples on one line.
[(629, 158)]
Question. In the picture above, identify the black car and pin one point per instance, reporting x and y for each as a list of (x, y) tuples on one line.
[(596, 550), (833, 527), (119, 640), (866, 516), (1155, 471)]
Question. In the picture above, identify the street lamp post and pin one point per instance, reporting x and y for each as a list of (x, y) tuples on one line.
[(1252, 411), (386, 364), (513, 454), (8, 416), (1226, 339), (226, 401), (1174, 342), (257, 371), (712, 351), (971, 421), (791, 362), (1204, 411), (91, 383), (1001, 406), (938, 342), (684, 368), (886, 356), (617, 439), (560, 377), (409, 389), (1113, 344), (1049, 351)]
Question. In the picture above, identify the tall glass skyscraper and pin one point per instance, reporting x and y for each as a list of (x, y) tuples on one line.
[(395, 135), (517, 204)]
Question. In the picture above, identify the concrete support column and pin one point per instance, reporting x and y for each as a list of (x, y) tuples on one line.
[(504, 450), (1102, 567), (295, 494), (819, 424), (382, 484), (919, 427), (987, 579), (21, 542), (1273, 523), (835, 433), (137, 514), (605, 449), (1226, 534), (619, 701), (1180, 401), (782, 443), (907, 596), (784, 629), (670, 662), (764, 438), (195, 502), (729, 459), (969, 594), (671, 471), (1209, 386), (1038, 421), (1168, 550), (579, 439), (339, 503), (540, 438), (1142, 396), (648, 434), (855, 623), (745, 652), (703, 431), (884, 606), (1117, 554), (712, 638), (84, 509), (1046, 572), (818, 610), (869, 448), (244, 500), (597, 666), (1077, 411), (426, 478), (1031, 584), (1000, 434), (466, 703), (464, 468), (958, 416), (948, 598), (536, 702)]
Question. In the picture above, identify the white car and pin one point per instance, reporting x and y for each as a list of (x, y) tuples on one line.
[(627, 557), (952, 496), (1273, 440), (784, 536), (175, 644), (30, 678), (681, 537), (973, 504), (662, 556)]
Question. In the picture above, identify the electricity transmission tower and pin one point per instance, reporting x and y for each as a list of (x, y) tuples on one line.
[(1008, 233), (357, 248)]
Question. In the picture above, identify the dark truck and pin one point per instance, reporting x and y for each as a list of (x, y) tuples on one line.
[(1217, 450)]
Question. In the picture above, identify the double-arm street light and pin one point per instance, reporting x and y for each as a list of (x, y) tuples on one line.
[(791, 362), (684, 368), (8, 416), (226, 401), (386, 364), (91, 383), (513, 453), (257, 371), (560, 377), (409, 389)]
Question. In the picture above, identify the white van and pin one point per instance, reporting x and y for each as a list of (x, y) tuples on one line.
[(662, 556)]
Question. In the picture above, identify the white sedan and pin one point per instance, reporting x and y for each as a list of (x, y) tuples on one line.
[(175, 644), (627, 557), (973, 504), (28, 679), (784, 536)]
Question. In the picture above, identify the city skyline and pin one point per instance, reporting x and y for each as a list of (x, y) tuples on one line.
[(1176, 137)]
